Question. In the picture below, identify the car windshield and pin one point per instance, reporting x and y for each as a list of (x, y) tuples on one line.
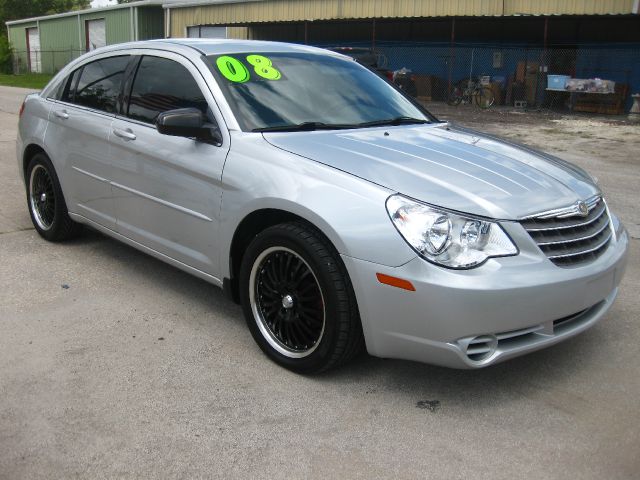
[(306, 91)]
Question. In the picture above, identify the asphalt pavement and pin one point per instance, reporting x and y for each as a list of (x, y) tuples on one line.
[(115, 365)]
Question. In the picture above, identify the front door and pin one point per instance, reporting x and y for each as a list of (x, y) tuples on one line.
[(167, 190)]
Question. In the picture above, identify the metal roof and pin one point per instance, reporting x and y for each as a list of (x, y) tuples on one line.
[(288, 10), (142, 3)]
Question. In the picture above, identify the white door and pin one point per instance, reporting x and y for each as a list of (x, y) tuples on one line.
[(96, 34), (35, 60)]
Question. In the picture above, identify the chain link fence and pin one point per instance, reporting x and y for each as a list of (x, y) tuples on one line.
[(517, 76), (42, 61)]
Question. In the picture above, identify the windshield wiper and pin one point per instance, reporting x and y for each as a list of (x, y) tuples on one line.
[(303, 127), (310, 126), (393, 122)]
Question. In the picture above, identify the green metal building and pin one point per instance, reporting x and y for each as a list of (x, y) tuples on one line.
[(46, 44)]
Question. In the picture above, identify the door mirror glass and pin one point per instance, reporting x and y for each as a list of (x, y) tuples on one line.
[(189, 123)]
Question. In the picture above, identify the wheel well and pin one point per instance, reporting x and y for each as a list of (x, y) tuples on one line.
[(249, 227), (29, 153)]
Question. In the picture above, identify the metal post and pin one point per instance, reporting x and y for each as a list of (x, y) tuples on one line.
[(543, 61), (373, 35), (451, 52)]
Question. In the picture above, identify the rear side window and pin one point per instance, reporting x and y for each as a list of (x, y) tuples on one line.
[(160, 85), (99, 84)]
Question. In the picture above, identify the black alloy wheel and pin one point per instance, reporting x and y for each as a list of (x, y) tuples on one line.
[(298, 300), (46, 203)]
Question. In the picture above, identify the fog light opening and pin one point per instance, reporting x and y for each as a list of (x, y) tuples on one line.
[(481, 347)]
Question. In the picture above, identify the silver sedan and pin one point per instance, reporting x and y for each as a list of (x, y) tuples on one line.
[(337, 211)]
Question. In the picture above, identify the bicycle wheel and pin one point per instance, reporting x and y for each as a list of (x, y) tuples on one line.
[(455, 96), (484, 97)]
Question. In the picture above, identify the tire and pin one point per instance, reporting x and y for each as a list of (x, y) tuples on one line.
[(46, 203), (484, 97), (298, 300)]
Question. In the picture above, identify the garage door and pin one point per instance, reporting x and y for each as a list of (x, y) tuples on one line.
[(96, 34), (33, 43)]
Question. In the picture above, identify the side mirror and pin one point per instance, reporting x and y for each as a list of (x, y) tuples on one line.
[(189, 123)]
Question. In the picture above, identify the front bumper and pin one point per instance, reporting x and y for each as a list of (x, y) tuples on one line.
[(474, 318)]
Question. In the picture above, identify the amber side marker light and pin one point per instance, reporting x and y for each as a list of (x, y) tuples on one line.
[(395, 282)]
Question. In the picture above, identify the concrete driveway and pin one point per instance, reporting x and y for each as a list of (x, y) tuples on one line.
[(115, 365)]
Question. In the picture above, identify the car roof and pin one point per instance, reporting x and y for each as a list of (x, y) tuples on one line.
[(210, 46), (190, 47)]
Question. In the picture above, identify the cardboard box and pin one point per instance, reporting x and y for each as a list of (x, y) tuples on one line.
[(531, 88), (497, 92), (423, 85), (532, 67)]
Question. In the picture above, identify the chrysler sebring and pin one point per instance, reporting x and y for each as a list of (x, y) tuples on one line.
[(338, 212)]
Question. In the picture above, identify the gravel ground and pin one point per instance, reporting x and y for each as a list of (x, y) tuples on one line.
[(115, 365)]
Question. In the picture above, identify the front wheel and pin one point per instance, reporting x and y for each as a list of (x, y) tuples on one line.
[(298, 300), (484, 97)]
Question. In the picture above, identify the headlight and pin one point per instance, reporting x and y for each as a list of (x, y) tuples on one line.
[(447, 238)]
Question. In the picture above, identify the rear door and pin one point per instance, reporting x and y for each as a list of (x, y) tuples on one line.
[(167, 190), (78, 137)]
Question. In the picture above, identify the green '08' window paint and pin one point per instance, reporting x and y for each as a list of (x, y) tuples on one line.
[(235, 71), (232, 69)]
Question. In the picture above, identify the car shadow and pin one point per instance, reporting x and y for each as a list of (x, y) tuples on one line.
[(426, 386)]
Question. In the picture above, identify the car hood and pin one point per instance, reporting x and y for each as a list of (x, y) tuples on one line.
[(452, 167)]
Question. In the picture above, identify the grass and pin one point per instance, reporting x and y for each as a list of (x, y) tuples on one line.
[(28, 80)]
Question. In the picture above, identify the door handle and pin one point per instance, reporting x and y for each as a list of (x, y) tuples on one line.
[(124, 134), (61, 114)]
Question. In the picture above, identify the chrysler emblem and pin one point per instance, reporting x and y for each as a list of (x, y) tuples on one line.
[(581, 208)]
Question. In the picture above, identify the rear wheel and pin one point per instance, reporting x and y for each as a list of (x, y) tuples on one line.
[(298, 300), (46, 203)]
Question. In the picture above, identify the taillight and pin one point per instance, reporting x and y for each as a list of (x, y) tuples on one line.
[(22, 107)]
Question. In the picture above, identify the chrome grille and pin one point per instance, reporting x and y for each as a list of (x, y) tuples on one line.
[(568, 239)]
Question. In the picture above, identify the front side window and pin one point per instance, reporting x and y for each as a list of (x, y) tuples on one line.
[(99, 84), (160, 85), (274, 89)]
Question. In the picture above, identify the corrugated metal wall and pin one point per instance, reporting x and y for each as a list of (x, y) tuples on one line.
[(568, 7), (150, 23), (60, 42), (18, 39), (301, 10), (118, 25), (64, 38)]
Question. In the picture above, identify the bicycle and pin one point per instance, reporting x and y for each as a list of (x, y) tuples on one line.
[(471, 91)]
